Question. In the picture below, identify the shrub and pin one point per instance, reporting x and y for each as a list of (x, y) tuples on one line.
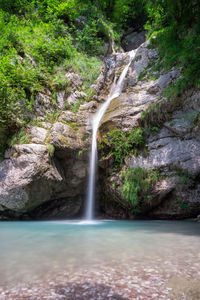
[(122, 144), (176, 28), (88, 67), (137, 186)]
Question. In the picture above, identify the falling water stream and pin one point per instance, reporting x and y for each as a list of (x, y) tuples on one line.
[(114, 260), (115, 92)]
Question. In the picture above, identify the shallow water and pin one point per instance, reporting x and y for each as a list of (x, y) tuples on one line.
[(31, 251)]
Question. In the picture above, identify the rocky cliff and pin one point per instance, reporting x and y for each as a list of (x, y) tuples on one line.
[(47, 177), (172, 143)]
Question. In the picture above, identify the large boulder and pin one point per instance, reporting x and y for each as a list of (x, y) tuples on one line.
[(19, 188), (49, 180)]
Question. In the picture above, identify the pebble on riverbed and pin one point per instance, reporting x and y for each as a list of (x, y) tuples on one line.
[(106, 282)]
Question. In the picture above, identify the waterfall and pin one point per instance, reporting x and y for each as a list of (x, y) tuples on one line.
[(115, 92)]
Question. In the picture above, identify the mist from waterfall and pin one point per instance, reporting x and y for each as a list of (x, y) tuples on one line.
[(115, 92)]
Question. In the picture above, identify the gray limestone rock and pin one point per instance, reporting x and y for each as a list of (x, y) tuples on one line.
[(74, 97), (63, 136), (170, 152), (42, 104), (61, 99), (74, 79), (18, 174), (142, 59), (38, 134), (133, 40)]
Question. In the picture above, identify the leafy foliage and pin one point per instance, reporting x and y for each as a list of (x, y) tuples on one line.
[(40, 39), (175, 28), (21, 137), (197, 120), (124, 143), (36, 40), (137, 186)]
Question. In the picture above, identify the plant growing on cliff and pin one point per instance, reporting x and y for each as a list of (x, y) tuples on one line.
[(21, 137), (175, 28), (122, 144), (51, 149), (196, 121), (137, 185)]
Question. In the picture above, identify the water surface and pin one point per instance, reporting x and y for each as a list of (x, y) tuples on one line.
[(31, 251)]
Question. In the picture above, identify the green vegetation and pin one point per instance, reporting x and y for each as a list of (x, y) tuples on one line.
[(41, 40), (124, 143), (51, 149), (182, 205), (137, 186), (21, 137), (197, 120), (39, 43), (176, 26), (184, 177), (73, 125)]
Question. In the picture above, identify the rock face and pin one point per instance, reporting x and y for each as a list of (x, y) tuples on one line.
[(172, 142), (47, 178), (33, 179), (133, 40), (125, 111)]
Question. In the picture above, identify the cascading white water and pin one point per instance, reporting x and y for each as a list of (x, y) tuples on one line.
[(115, 92)]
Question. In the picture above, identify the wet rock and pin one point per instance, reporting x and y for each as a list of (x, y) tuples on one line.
[(133, 40)]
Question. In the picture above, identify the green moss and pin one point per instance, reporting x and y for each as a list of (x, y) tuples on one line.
[(141, 76), (90, 94), (87, 67), (85, 137), (73, 125), (181, 204), (80, 152), (63, 139), (15, 154)]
